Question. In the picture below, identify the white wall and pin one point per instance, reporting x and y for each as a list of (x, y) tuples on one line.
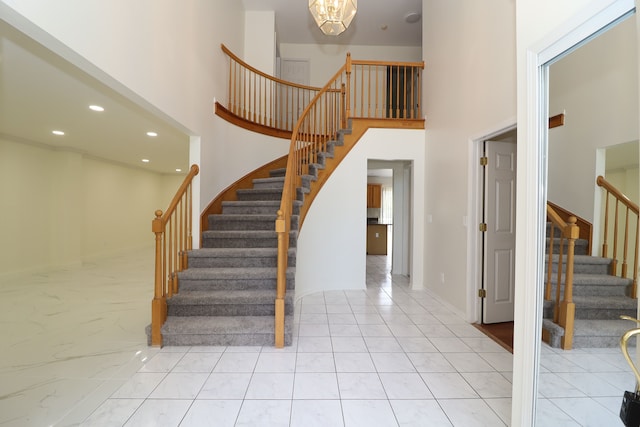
[(326, 60), (259, 40), (597, 88), (334, 231), (469, 90), (60, 208)]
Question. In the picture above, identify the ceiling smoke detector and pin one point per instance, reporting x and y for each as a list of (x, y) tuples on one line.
[(412, 18)]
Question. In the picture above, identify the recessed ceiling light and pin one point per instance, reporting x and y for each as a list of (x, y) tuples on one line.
[(145, 160), (178, 170), (57, 132), (96, 108), (384, 27), (152, 134)]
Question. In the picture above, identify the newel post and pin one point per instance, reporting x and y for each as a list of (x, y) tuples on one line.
[(567, 306), (281, 280), (159, 303)]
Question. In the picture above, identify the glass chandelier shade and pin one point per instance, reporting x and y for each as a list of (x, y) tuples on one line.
[(333, 16)]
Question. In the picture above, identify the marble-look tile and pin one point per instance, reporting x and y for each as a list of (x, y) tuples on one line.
[(382, 345), (502, 362), (225, 386), (550, 385), (436, 331), (315, 386), (272, 413), (415, 413), (314, 345), (314, 309), (392, 362), (448, 386), (354, 362), (112, 413), (375, 331), (405, 386), (468, 362), (430, 362), (139, 386), (338, 330), (313, 330), (416, 345), (360, 386), (197, 362), (270, 386), (315, 362), (341, 319), (348, 344), (587, 412), (316, 413), (483, 345), (159, 412), (276, 362), (590, 385), (368, 413), (465, 330), (212, 413), (488, 384), (470, 413), (368, 318), (449, 345), (548, 414), (162, 362), (178, 385), (314, 318), (339, 308), (237, 362)]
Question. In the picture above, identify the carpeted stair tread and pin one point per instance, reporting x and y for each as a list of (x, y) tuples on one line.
[(273, 182), (250, 297), (602, 301), (223, 330), (255, 273), (595, 279), (232, 252)]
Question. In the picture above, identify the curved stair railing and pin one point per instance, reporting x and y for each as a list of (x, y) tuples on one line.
[(629, 207), (564, 307), (173, 239), (263, 100), (359, 90)]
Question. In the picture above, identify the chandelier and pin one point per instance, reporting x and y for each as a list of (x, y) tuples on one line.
[(333, 16)]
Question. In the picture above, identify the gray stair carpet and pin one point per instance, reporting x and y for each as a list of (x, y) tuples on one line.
[(600, 299), (227, 294)]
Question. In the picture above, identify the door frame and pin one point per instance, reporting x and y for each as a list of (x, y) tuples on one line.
[(474, 203)]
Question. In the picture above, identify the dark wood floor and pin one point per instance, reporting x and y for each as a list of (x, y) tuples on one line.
[(502, 333)]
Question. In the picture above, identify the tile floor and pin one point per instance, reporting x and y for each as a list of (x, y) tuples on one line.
[(384, 356)]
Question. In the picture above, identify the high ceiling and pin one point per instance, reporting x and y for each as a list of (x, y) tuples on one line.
[(377, 23), (41, 92)]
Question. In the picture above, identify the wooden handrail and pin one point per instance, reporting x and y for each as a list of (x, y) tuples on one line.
[(629, 207), (359, 89), (564, 307), (586, 228), (265, 100), (173, 239)]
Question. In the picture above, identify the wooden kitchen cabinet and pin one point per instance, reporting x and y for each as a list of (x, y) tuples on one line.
[(374, 195)]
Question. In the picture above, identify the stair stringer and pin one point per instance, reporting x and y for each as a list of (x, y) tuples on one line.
[(349, 139)]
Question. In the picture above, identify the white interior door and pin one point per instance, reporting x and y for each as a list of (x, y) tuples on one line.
[(499, 238)]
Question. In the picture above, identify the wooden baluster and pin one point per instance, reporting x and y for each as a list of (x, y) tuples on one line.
[(606, 226), (547, 291), (343, 106), (634, 287), (625, 248), (348, 86), (556, 306), (404, 95), (614, 262)]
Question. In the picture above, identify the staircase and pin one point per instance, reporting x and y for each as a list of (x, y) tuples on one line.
[(599, 299), (226, 295)]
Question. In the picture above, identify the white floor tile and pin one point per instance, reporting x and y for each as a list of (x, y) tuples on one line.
[(276, 362), (160, 413), (139, 386), (212, 413), (470, 413), (237, 362), (382, 345), (448, 386), (338, 330), (270, 386), (392, 362), (468, 362), (354, 362), (315, 386), (430, 362), (488, 384), (368, 413), (316, 413), (179, 385), (314, 345), (360, 386), (417, 413), (348, 344), (197, 362), (267, 413), (113, 413), (405, 386), (587, 412), (315, 362), (225, 386)]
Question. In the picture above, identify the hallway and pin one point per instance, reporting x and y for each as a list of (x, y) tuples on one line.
[(74, 352)]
